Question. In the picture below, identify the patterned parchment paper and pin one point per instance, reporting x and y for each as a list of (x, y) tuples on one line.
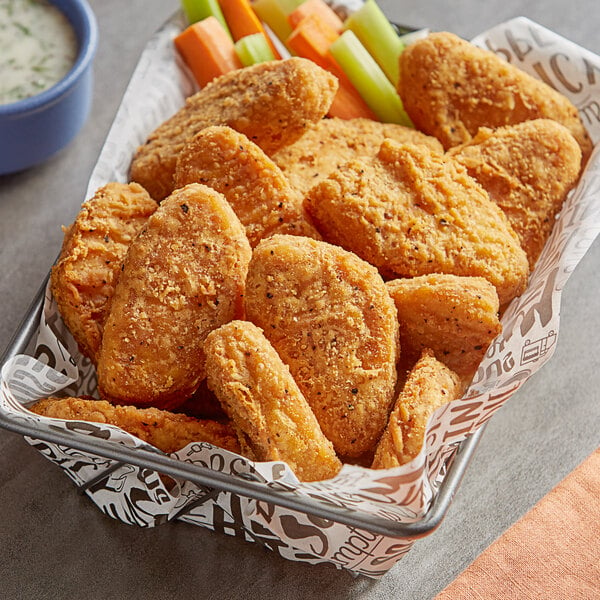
[(139, 496)]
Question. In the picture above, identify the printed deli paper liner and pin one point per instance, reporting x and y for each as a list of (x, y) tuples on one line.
[(139, 496)]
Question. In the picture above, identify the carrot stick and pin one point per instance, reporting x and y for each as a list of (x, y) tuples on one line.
[(319, 8), (242, 21), (196, 10), (207, 50), (311, 39)]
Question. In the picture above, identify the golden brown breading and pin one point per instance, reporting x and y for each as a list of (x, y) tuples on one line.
[(332, 142), (411, 212), (450, 88), (252, 183), (330, 317), (260, 396), (83, 278), (164, 430), (528, 170), (429, 386), (456, 317), (272, 103), (182, 277)]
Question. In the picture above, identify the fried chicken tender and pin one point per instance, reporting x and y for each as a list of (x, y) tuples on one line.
[(331, 319), (162, 429), (83, 279), (257, 190), (182, 277), (527, 169), (429, 386), (455, 317), (264, 402), (450, 88), (412, 212), (272, 103), (333, 142)]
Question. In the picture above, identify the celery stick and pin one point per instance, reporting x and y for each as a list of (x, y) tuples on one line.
[(271, 13), (289, 6), (377, 35), (368, 78), (253, 49), (196, 10)]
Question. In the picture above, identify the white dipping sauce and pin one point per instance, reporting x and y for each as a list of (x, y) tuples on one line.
[(38, 47)]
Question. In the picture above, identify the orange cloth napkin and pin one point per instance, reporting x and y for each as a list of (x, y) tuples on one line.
[(551, 552)]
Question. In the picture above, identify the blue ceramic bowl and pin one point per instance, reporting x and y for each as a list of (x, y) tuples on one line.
[(33, 129)]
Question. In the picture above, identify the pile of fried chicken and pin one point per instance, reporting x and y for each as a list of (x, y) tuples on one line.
[(294, 287)]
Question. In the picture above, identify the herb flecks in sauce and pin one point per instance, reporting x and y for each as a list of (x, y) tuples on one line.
[(38, 47)]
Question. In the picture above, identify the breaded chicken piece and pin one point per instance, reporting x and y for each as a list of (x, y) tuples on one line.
[(262, 399), (455, 317), (429, 386), (272, 103), (411, 212), (450, 88), (330, 318), (83, 279), (333, 142), (182, 277), (260, 195), (164, 430), (527, 169)]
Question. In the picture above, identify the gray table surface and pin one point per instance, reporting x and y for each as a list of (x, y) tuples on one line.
[(54, 543)]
